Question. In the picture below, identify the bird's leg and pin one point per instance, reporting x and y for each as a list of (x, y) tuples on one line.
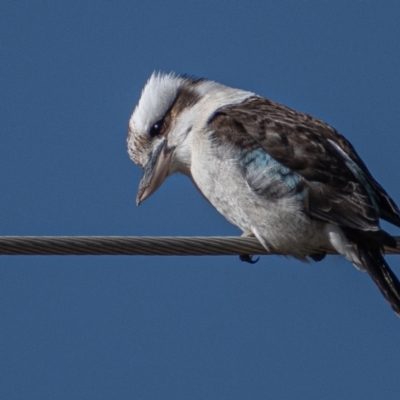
[(248, 257)]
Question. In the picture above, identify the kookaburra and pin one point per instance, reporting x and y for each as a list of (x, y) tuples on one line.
[(283, 176)]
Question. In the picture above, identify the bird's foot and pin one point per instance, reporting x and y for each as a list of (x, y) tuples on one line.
[(248, 258), (318, 256)]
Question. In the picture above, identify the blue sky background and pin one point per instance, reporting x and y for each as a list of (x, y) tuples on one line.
[(183, 328)]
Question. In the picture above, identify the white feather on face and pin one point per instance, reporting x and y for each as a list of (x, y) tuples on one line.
[(158, 128), (157, 97)]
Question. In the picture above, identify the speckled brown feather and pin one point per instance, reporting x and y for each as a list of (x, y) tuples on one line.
[(301, 142)]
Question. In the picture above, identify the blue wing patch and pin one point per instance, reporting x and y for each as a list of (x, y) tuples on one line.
[(267, 177)]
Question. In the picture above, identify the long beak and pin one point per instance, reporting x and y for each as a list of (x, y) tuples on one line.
[(155, 171)]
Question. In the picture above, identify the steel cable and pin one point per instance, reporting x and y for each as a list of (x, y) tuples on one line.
[(136, 245)]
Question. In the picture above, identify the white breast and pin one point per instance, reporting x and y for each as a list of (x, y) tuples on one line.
[(281, 226)]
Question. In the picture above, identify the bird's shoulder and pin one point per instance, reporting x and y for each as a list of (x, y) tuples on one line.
[(297, 140)]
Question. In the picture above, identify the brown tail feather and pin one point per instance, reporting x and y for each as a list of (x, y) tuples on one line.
[(380, 272)]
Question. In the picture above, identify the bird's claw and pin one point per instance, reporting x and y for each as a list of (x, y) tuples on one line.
[(318, 256), (248, 258)]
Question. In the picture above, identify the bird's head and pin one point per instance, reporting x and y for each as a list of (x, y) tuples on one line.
[(159, 127)]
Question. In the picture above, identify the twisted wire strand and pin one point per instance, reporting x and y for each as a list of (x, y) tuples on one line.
[(137, 245)]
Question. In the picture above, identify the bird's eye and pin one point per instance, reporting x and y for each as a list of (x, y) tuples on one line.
[(158, 128)]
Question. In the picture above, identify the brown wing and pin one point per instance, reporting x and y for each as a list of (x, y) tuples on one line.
[(340, 189)]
